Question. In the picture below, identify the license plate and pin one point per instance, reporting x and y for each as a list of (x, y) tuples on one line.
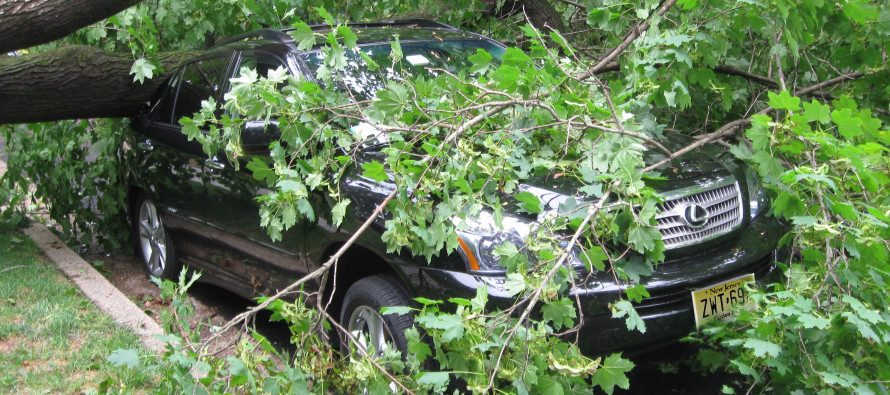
[(716, 302)]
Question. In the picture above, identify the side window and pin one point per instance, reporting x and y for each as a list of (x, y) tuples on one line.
[(262, 65), (164, 99), (201, 80)]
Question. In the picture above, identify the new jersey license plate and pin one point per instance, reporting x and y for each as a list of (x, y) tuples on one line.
[(717, 302)]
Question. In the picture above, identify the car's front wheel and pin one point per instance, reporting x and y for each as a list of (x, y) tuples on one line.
[(361, 316), (153, 241)]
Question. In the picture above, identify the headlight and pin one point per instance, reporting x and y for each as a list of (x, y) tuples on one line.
[(757, 196), (479, 236)]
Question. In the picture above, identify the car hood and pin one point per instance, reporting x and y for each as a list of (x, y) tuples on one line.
[(698, 168)]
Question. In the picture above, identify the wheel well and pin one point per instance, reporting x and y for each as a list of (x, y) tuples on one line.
[(132, 195), (355, 264)]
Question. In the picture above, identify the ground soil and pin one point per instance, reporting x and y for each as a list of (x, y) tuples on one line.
[(214, 306)]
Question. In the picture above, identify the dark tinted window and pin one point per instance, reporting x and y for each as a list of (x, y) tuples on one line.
[(262, 65), (165, 98), (421, 58), (201, 80)]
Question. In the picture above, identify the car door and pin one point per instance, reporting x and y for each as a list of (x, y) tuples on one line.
[(245, 247), (174, 168)]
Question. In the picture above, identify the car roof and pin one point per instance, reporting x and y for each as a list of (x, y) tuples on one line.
[(280, 41)]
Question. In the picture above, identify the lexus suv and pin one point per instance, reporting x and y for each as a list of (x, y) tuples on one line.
[(199, 211)]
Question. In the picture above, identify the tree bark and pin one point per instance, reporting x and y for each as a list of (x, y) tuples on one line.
[(540, 13), (74, 82), (26, 23)]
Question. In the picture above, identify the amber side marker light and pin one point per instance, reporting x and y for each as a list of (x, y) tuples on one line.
[(474, 264)]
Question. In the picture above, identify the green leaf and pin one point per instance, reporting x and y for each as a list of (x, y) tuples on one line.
[(788, 205), (643, 238), (711, 359), (306, 209), (806, 220), (396, 49), (141, 70), (292, 186), (127, 357), (815, 111), (783, 101), (530, 202), (548, 385), (395, 310), (637, 293), (506, 76), (860, 11), (237, 370), (561, 312), (595, 258), (289, 216), (339, 212), (303, 35), (450, 324), (349, 37), (416, 346), (848, 125), (481, 61), (612, 373), (762, 348), (325, 15), (515, 284), (758, 133), (624, 308), (481, 299), (436, 379), (374, 170), (636, 268), (261, 170), (810, 321)]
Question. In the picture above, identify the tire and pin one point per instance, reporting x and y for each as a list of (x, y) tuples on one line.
[(361, 316), (153, 242)]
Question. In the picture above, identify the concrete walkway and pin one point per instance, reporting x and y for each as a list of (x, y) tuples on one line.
[(95, 286)]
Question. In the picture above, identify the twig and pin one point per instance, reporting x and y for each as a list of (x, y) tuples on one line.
[(10, 268)]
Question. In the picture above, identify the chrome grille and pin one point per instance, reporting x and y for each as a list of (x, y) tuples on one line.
[(724, 207)]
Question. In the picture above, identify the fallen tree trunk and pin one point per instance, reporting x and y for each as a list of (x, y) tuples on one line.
[(26, 23), (74, 82)]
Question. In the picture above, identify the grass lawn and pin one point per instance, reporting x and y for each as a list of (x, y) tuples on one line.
[(52, 338)]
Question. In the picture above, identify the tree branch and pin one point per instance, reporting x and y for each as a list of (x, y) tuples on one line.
[(628, 39), (732, 127), (26, 23), (763, 80)]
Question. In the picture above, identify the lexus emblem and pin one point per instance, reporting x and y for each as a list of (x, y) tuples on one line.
[(695, 216)]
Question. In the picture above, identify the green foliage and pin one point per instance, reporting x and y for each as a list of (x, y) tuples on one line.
[(488, 350), (74, 169), (254, 366), (825, 328)]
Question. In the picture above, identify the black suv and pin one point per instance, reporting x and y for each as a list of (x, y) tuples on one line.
[(200, 211)]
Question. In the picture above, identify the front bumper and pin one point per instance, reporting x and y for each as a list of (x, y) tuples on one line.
[(667, 312)]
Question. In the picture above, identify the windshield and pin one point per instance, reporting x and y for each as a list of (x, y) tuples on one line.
[(421, 58)]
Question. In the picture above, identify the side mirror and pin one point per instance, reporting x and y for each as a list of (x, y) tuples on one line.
[(257, 135)]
